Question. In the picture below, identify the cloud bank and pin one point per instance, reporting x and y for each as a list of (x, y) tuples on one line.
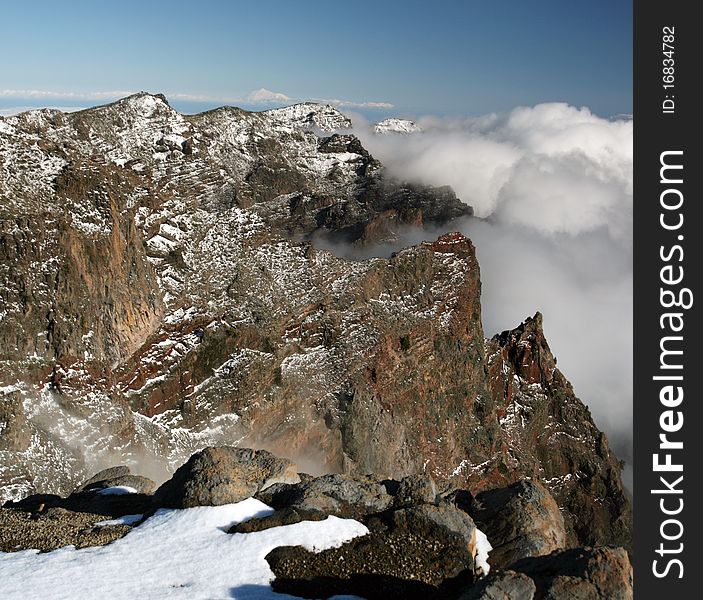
[(553, 187)]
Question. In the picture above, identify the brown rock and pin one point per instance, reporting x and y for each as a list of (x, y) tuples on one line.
[(222, 475), (549, 434), (520, 520), (15, 431), (603, 573)]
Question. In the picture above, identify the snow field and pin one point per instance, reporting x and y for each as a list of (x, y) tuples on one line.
[(174, 554)]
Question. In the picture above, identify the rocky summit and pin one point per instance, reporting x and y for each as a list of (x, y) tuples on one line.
[(163, 290)]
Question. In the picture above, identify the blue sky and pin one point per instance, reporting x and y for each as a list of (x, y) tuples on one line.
[(440, 57)]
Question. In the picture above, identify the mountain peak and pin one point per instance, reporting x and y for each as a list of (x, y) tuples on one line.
[(312, 115), (395, 125)]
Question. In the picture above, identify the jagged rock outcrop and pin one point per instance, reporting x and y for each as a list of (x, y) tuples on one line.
[(549, 434), (159, 293)]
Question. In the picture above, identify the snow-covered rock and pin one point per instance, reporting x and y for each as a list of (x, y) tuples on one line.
[(395, 125), (323, 117)]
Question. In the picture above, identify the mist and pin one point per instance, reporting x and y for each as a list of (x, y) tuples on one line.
[(552, 187)]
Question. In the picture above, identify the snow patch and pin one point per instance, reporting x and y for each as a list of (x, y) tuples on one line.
[(116, 490), (483, 547), (125, 520)]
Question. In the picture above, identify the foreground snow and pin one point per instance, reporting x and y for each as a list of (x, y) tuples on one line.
[(174, 554)]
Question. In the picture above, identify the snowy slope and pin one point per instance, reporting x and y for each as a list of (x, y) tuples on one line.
[(174, 554)]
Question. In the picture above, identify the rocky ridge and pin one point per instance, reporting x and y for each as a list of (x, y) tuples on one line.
[(160, 294)]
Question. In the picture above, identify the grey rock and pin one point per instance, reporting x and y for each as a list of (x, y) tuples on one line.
[(222, 475), (506, 585), (100, 476), (117, 476), (416, 489), (602, 573), (339, 495), (445, 518), (520, 520)]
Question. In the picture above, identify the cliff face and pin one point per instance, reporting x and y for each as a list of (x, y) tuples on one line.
[(161, 261)]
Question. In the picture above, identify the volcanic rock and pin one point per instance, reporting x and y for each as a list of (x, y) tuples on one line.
[(520, 520), (340, 495), (399, 564), (446, 518), (53, 529), (117, 476), (415, 489), (222, 475), (285, 516), (105, 475), (504, 585), (603, 573), (15, 434), (549, 435)]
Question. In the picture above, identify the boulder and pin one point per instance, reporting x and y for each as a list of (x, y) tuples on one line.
[(117, 476), (339, 495), (505, 585), (105, 474), (520, 520), (394, 564), (222, 475), (603, 573), (441, 520), (416, 489)]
